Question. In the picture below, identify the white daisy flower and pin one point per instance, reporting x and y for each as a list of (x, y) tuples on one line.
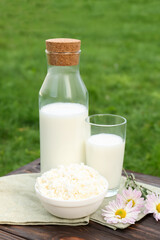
[(118, 212), (132, 195), (153, 205)]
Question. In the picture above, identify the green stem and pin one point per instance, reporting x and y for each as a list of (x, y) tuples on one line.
[(131, 182)]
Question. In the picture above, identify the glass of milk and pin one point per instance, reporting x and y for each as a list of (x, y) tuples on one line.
[(105, 145)]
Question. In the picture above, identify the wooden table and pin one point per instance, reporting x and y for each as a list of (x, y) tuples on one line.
[(147, 228)]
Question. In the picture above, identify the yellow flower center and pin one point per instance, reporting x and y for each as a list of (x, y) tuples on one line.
[(133, 202), (158, 207), (120, 213)]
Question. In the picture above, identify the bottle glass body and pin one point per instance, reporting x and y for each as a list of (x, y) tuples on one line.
[(63, 107)]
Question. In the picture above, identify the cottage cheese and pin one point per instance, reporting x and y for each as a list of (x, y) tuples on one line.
[(73, 182)]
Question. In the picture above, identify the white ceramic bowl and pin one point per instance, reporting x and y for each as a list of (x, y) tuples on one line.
[(72, 209)]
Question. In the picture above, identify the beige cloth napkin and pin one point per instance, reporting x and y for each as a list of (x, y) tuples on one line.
[(20, 206)]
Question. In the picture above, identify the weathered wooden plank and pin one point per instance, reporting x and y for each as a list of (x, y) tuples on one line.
[(148, 179), (62, 232), (147, 228), (31, 167), (9, 236)]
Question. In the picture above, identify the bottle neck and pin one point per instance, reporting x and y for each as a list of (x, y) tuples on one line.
[(63, 69)]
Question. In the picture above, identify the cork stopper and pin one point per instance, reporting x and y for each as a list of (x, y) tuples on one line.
[(63, 51)]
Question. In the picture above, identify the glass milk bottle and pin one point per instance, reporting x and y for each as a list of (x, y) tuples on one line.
[(63, 106)]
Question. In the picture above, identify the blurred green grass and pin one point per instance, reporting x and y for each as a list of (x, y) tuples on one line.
[(120, 65)]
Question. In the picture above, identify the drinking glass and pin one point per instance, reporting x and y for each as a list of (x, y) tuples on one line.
[(105, 145)]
